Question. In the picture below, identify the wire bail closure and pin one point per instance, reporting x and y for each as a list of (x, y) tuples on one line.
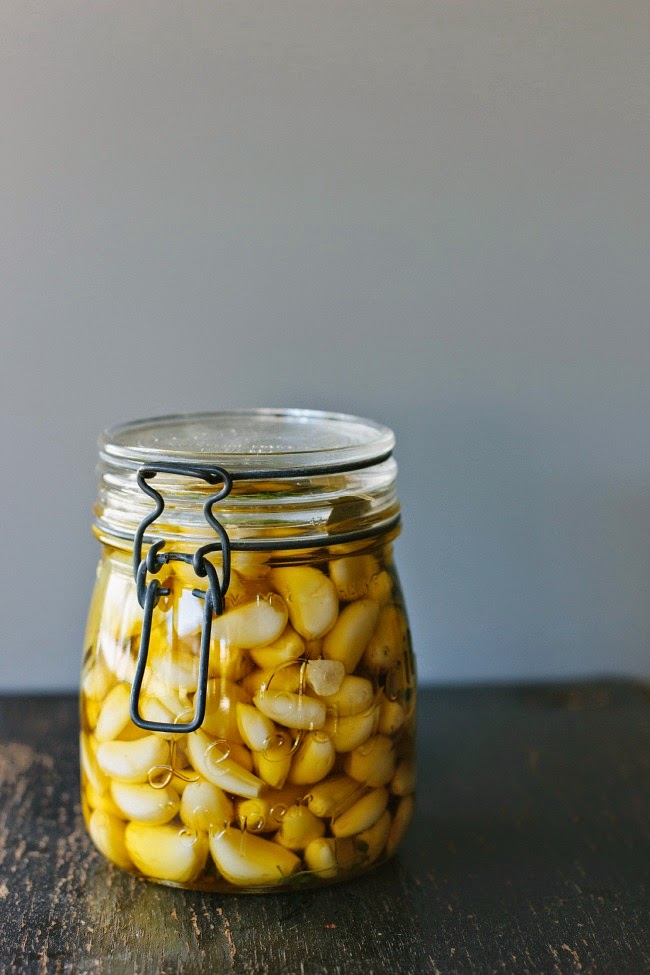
[(150, 593)]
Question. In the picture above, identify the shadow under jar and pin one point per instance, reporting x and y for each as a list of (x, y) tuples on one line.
[(248, 683)]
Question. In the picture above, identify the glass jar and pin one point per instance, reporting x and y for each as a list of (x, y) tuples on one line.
[(248, 684)]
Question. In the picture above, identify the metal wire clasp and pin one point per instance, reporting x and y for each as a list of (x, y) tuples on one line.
[(149, 593)]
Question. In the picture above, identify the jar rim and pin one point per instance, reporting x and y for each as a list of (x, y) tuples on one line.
[(260, 440), (290, 477)]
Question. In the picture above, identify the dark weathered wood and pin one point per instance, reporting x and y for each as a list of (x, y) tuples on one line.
[(529, 854)]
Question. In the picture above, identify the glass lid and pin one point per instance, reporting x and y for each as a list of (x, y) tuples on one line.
[(249, 440)]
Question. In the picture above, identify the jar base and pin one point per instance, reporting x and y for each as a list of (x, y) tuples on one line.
[(299, 883)]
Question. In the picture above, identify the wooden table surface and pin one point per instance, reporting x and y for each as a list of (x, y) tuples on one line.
[(529, 853)]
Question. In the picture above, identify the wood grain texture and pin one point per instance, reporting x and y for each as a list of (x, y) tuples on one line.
[(529, 855)]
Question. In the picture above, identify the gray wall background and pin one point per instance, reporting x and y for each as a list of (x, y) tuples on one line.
[(432, 213)]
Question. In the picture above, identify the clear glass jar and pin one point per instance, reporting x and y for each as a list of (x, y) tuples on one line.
[(248, 683)]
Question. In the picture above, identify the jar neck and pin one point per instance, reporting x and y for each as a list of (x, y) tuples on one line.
[(262, 510)]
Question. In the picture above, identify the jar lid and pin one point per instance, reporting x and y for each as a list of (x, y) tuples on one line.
[(296, 478), (247, 441)]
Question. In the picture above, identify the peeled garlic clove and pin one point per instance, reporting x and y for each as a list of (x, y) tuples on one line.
[(245, 590), (380, 588), (246, 859), (251, 815), (183, 575), (222, 700), (320, 857), (228, 661), (349, 732), (391, 716), (98, 680), (387, 643), (240, 754), (188, 608), (299, 827), (403, 782), (254, 624), (354, 696), (362, 815), (131, 761), (95, 776), (115, 713), (204, 806), (291, 710), (211, 761), (288, 646), (251, 565), (89, 712), (121, 617), (372, 763), (182, 778), (119, 657), (371, 842), (256, 730), (140, 801), (265, 813), (349, 636), (274, 761), (313, 760), (175, 701), (352, 575), (176, 667), (107, 833), (103, 802), (324, 676), (151, 709), (287, 677), (333, 796), (166, 852), (328, 856), (310, 597)]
